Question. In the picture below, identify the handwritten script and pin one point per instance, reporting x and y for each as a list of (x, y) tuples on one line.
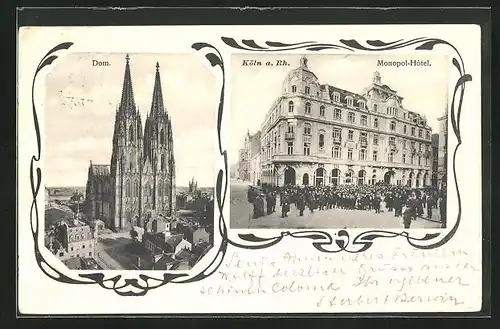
[(396, 278)]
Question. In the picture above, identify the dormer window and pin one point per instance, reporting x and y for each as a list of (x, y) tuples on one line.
[(361, 104), (349, 100), (294, 89), (307, 90), (336, 97)]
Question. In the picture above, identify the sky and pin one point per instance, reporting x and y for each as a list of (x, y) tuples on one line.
[(254, 88), (77, 133)]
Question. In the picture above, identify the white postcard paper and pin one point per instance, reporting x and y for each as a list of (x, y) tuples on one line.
[(248, 169)]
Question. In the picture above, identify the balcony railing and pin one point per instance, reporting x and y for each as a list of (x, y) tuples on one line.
[(363, 143), (337, 139), (290, 135), (392, 146)]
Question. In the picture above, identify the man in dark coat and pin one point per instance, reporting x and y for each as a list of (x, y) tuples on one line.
[(285, 207), (301, 204), (442, 210), (398, 206), (376, 204), (407, 216), (430, 203), (269, 203)]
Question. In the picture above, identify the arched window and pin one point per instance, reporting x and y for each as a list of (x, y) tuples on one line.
[(131, 133), (162, 162), (160, 189), (375, 122), (308, 108), (393, 125), (321, 140), (294, 89), (322, 111), (128, 192), (136, 188), (307, 90), (351, 117), (290, 106)]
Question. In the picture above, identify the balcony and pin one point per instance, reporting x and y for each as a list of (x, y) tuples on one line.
[(363, 143), (306, 138), (337, 140), (290, 135), (392, 146)]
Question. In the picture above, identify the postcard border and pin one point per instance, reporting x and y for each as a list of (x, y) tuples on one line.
[(363, 241)]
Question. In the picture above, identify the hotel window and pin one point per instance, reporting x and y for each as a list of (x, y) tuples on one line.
[(420, 133), (375, 107), (375, 139), (337, 135), (412, 158), (349, 154), (290, 106), (413, 131), (307, 149), (290, 128), (362, 154), (349, 101), (375, 155), (427, 135), (363, 138), (336, 97), (350, 135), (392, 141), (322, 111), (308, 108), (391, 157), (426, 161), (338, 114), (404, 129), (308, 90), (404, 144), (321, 140), (375, 122), (364, 120), (393, 125), (404, 158), (307, 129), (294, 89), (336, 152), (90, 253), (290, 148), (351, 117), (419, 160), (361, 104)]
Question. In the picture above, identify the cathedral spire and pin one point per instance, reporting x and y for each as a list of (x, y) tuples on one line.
[(157, 102), (127, 102)]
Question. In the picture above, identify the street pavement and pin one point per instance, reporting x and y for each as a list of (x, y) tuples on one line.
[(241, 216), (110, 251)]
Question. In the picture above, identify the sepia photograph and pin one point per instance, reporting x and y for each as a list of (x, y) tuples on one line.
[(129, 181), (338, 141)]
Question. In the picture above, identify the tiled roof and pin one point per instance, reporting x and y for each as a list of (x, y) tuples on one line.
[(183, 254), (174, 240), (162, 262)]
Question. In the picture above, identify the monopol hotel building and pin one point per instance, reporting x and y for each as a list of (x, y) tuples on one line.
[(317, 134)]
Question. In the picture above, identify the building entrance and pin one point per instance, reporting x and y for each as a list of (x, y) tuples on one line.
[(289, 176)]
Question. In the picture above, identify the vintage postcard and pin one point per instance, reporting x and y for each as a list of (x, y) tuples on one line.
[(240, 169)]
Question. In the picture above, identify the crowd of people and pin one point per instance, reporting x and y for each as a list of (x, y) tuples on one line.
[(352, 197)]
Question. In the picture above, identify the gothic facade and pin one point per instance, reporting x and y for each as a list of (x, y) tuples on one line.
[(140, 181)]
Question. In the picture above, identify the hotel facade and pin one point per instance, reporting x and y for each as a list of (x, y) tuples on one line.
[(317, 134)]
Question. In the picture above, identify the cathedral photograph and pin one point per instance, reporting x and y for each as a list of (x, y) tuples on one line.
[(338, 141), (136, 170)]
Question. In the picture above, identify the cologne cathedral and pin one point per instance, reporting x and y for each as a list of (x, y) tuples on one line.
[(140, 182)]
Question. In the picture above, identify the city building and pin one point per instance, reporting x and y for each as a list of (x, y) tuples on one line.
[(141, 176), (193, 186), (318, 134), (435, 159), (442, 152), (71, 239), (249, 167)]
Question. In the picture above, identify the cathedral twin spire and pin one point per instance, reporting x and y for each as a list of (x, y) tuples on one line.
[(127, 102)]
